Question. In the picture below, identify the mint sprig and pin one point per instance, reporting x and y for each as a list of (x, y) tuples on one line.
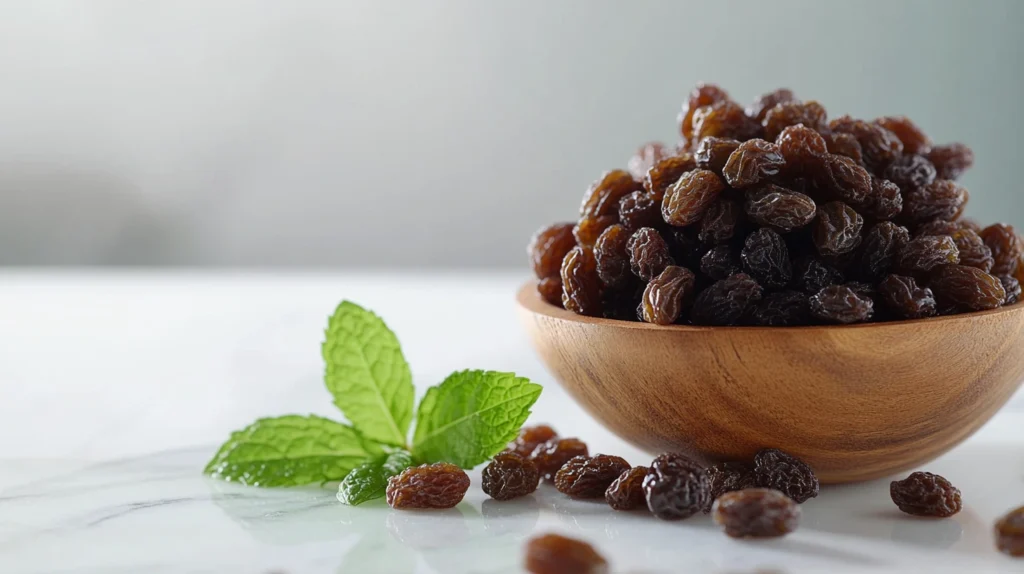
[(464, 421)]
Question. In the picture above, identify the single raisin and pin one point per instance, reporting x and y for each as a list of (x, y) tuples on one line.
[(602, 197), (713, 153), (756, 513), (645, 158), (648, 253), (529, 438), (811, 114), (666, 172), (783, 472), (666, 295), (841, 177), (951, 160), (548, 247), (783, 309), (720, 262), (813, 275), (509, 476), (845, 145), (904, 298), (726, 301), (803, 148), (879, 145), (754, 161), (766, 258), (882, 244), (724, 119), (1010, 533), (910, 171), (762, 105), (728, 477), (926, 494), (924, 253), (841, 304), (675, 487), (626, 492), (555, 554), (612, 259), (884, 202), (589, 477), (438, 485), (779, 208), (581, 287), (588, 229), (941, 199), (702, 95), (550, 288), (1012, 288), (686, 200), (549, 456), (1006, 247), (966, 288), (639, 209), (972, 248), (836, 229), (914, 140), (720, 222), (938, 227)]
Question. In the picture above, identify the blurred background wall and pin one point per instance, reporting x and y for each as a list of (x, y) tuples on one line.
[(432, 133)]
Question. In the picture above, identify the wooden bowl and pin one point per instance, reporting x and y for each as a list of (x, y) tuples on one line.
[(856, 402)]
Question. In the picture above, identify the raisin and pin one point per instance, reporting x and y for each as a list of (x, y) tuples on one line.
[(783, 309), (783, 472), (720, 222), (719, 262), (879, 145), (754, 161), (645, 158), (756, 513), (813, 275), (941, 199), (926, 494), (666, 172), (602, 198), (589, 477), (843, 178), (626, 492), (724, 119), (550, 288), (529, 438), (702, 95), (675, 487), (802, 147), (713, 153), (779, 208), (845, 145), (766, 258), (438, 485), (509, 476), (648, 253), (621, 304), (666, 295), (927, 252), (1012, 288), (904, 298), (972, 248), (811, 114), (581, 287), (611, 256), (686, 200), (966, 288), (549, 456), (761, 106), (914, 140), (588, 229), (951, 160), (554, 554), (938, 227), (686, 248), (728, 477), (1010, 533), (836, 229), (841, 304), (882, 244), (726, 301), (639, 209), (910, 171), (1006, 247), (968, 223), (548, 247)]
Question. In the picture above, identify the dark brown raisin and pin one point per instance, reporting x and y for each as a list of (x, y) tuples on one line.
[(803, 148), (727, 301), (910, 171), (589, 477), (783, 309), (529, 438), (648, 253), (588, 229), (438, 485), (756, 513), (720, 222), (879, 145), (550, 288), (1006, 247), (885, 200), (761, 106), (766, 257), (841, 177), (968, 223), (754, 161), (845, 145), (551, 455), (602, 198), (581, 287), (686, 200), (927, 252), (904, 298), (914, 140), (548, 247), (724, 119), (938, 227), (841, 304), (627, 492), (941, 199), (972, 248), (639, 209), (811, 114), (675, 487), (779, 208), (612, 258), (666, 295), (926, 494), (686, 248), (951, 160), (713, 153), (555, 554), (728, 477), (1010, 533), (966, 288), (621, 304), (509, 476), (720, 262), (1012, 288), (882, 244), (645, 158), (666, 172), (702, 95), (783, 472), (836, 229), (814, 275)]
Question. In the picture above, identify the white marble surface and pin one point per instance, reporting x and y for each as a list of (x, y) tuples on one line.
[(117, 387)]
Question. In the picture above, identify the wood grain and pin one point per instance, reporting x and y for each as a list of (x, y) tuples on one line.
[(856, 402)]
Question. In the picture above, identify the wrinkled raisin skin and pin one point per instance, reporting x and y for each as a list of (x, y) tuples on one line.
[(438, 485), (910, 171), (720, 222), (783, 472), (727, 301), (649, 253), (845, 145), (639, 209), (1010, 533), (972, 249), (779, 208), (941, 199), (589, 477), (952, 160), (885, 200), (766, 258), (843, 178), (581, 287), (602, 198), (811, 114), (966, 288), (924, 253), (645, 158), (755, 160), (879, 145), (548, 247), (713, 153), (841, 304), (549, 456), (666, 295), (783, 309), (926, 494), (802, 147), (676, 487), (666, 172), (687, 199), (702, 95), (1012, 287), (1005, 246), (627, 492), (550, 288), (836, 229), (913, 139), (882, 244), (756, 513), (611, 258), (724, 119), (529, 438), (555, 554), (905, 298), (814, 275), (728, 477), (762, 105), (588, 229), (508, 476), (720, 262)]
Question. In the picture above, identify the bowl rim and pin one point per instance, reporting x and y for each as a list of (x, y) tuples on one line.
[(530, 300)]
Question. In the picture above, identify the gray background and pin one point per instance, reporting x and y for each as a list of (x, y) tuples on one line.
[(380, 133)]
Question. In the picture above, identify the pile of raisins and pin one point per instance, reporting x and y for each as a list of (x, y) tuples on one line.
[(775, 215)]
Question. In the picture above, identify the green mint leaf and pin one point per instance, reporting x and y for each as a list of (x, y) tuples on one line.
[(289, 451), (471, 416), (369, 480), (368, 375)]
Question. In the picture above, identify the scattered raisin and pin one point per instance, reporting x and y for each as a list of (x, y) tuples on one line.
[(879, 145), (1006, 247), (766, 258), (754, 161), (509, 476), (675, 487), (951, 160), (713, 153), (554, 554), (885, 200), (626, 492), (550, 288), (728, 477), (972, 248), (779, 208), (549, 456), (841, 304), (548, 247), (702, 95), (648, 253), (613, 266), (529, 438), (1012, 288), (666, 295), (882, 244), (639, 209), (1010, 533), (588, 229), (845, 145), (813, 275), (589, 477), (926, 494), (802, 147), (687, 199), (581, 287), (666, 172), (903, 297), (783, 309), (438, 485), (783, 472), (836, 228), (720, 262), (843, 178), (756, 513), (724, 119), (785, 114), (966, 288), (759, 109), (910, 171), (645, 158), (927, 252), (602, 198), (726, 301), (941, 199), (720, 222)]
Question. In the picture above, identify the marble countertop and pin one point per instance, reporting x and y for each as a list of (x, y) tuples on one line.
[(118, 386)]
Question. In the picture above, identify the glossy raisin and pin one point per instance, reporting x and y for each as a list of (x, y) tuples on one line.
[(724, 119), (841, 304), (880, 249), (626, 492), (910, 171), (702, 95), (803, 148), (713, 153), (813, 275), (548, 247), (811, 114), (438, 485), (613, 265), (924, 253), (836, 229), (756, 513), (555, 554), (904, 298), (602, 197), (766, 257), (509, 475), (667, 295), (1012, 288), (879, 145), (779, 208), (720, 262), (588, 229), (666, 172), (966, 288), (762, 105), (648, 253), (1010, 533), (845, 145), (529, 438), (972, 248), (841, 177), (728, 477), (720, 222), (782, 309), (926, 494), (589, 477), (913, 139), (941, 199), (549, 456), (676, 487), (686, 200), (550, 288), (783, 472), (951, 160), (1006, 247), (938, 227), (754, 161), (639, 209), (581, 287), (645, 158), (726, 301)]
